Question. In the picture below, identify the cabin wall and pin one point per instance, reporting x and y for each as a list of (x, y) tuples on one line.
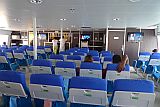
[(148, 44), (5, 32)]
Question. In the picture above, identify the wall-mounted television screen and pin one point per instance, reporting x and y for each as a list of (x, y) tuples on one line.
[(135, 36), (42, 36), (85, 37)]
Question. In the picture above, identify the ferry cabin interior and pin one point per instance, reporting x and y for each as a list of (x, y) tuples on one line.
[(44, 45)]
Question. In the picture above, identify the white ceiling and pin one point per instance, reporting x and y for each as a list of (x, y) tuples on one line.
[(17, 14)]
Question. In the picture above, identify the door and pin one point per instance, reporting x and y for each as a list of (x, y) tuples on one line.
[(115, 41)]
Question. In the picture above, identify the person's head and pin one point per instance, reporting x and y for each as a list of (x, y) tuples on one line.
[(88, 58), (4, 43), (155, 50), (116, 59), (63, 37)]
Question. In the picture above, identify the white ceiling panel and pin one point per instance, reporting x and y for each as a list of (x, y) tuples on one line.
[(94, 13)]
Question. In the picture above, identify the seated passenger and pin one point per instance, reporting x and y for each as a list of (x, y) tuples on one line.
[(88, 58), (155, 50), (123, 62)]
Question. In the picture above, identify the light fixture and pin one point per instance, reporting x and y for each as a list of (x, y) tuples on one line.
[(67, 28), (72, 25), (63, 19), (72, 10), (116, 19), (36, 1), (134, 0)]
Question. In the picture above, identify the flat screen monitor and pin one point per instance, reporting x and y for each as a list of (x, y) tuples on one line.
[(42, 36), (135, 36), (85, 37)]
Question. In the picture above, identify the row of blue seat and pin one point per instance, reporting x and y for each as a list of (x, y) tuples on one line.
[(82, 91), (146, 66)]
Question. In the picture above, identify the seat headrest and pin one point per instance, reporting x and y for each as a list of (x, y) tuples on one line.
[(107, 55), (19, 51), (65, 53), (60, 57), (88, 83), (90, 65), (79, 53), (73, 57), (7, 50), (93, 53), (115, 66), (2, 54), (47, 47), (134, 85), (40, 47), (30, 48), (154, 56), (42, 62), (144, 53), (108, 58), (96, 58), (12, 76), (65, 64), (47, 79)]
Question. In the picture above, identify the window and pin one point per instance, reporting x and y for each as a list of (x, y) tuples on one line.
[(4, 38)]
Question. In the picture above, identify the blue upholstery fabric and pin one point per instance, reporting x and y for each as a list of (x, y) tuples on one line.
[(84, 50), (65, 64), (48, 79), (109, 52), (47, 46), (144, 53), (145, 86), (155, 57), (156, 75), (65, 53), (88, 83), (114, 67), (106, 55), (96, 58), (19, 51), (108, 58), (90, 65), (43, 62), (73, 57), (60, 57), (4, 66), (30, 48), (156, 54), (93, 53), (17, 77), (40, 47), (79, 53), (149, 69)]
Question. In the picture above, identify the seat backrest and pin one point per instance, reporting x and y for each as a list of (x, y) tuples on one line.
[(3, 58), (54, 58), (47, 86), (18, 54), (66, 69), (30, 51), (89, 69), (96, 59), (133, 93), (9, 53), (112, 73), (47, 49), (144, 57), (75, 58), (106, 60), (40, 50), (93, 53), (144, 53), (88, 90), (41, 66), (154, 62), (13, 83)]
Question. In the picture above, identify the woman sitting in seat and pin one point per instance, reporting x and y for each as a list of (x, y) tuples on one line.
[(88, 58), (121, 61)]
